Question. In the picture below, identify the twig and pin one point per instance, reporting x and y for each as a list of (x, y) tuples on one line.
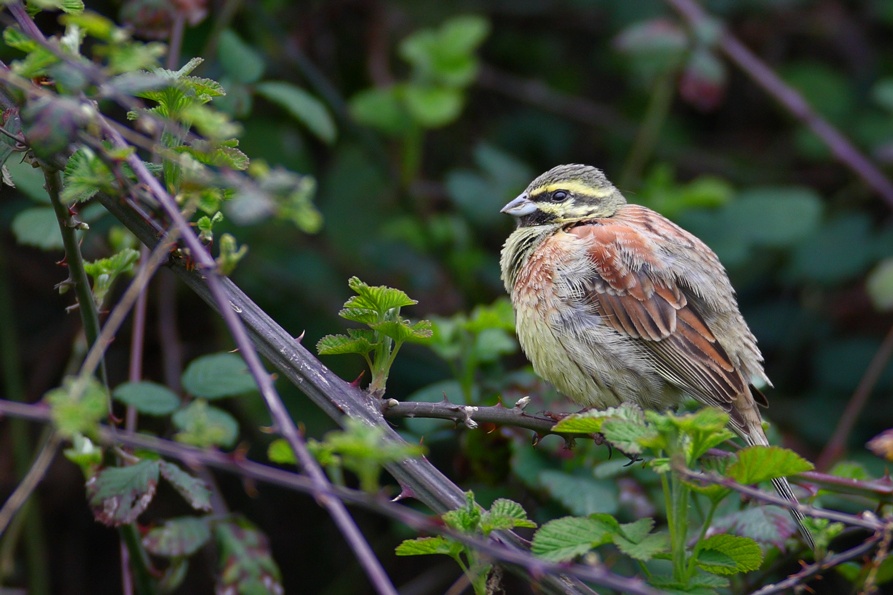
[(866, 520), (837, 444), (38, 469), (495, 549), (791, 100), (798, 578), (500, 415), (77, 276)]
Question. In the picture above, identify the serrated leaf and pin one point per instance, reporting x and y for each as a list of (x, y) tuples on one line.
[(505, 514), (379, 298), (590, 422), (725, 554), (581, 495), (646, 548), (85, 175), (246, 563), (77, 409), (118, 495), (147, 397), (761, 463), (402, 330), (303, 106), (38, 227), (218, 375), (423, 546), (203, 425), (764, 524), (342, 344), (193, 489), (566, 538), (361, 315), (178, 537)]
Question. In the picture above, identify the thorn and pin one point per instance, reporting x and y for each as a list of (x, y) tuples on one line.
[(300, 337), (405, 492), (115, 419), (391, 403), (267, 429), (535, 439), (357, 380), (522, 403)]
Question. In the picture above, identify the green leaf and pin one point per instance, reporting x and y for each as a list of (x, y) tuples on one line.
[(246, 562), (433, 106), (880, 285), (38, 227), (85, 175), (423, 546), (29, 180), (342, 344), (181, 536), (194, 490), (646, 548), (84, 453), (566, 538), (504, 514), (581, 495), (147, 397), (379, 298), (819, 257), (203, 425), (590, 422), (280, 451), (776, 216), (118, 495), (764, 524), (382, 109), (402, 330), (239, 59), (725, 554), (467, 518), (303, 106), (218, 375), (761, 463), (77, 408)]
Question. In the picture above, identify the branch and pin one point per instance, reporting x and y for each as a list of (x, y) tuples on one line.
[(789, 99), (865, 520), (798, 578), (496, 549), (472, 416)]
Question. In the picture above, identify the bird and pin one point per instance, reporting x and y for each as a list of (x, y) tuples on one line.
[(615, 303)]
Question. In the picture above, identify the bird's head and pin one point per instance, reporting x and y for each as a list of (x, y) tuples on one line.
[(565, 194)]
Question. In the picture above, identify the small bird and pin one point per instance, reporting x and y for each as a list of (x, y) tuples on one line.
[(615, 304)]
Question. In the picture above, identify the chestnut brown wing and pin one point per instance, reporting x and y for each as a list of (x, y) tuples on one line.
[(634, 290)]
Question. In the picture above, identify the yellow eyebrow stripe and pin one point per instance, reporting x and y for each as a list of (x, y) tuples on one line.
[(578, 188)]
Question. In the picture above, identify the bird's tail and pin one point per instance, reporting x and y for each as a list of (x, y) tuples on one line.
[(756, 437)]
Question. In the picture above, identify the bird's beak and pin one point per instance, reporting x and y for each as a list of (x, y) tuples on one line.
[(519, 206)]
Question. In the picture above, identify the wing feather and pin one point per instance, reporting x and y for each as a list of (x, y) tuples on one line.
[(640, 296)]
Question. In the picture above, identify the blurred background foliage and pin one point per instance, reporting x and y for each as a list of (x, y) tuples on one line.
[(418, 120)]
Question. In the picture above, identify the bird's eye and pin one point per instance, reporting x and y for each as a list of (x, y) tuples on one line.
[(560, 196)]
